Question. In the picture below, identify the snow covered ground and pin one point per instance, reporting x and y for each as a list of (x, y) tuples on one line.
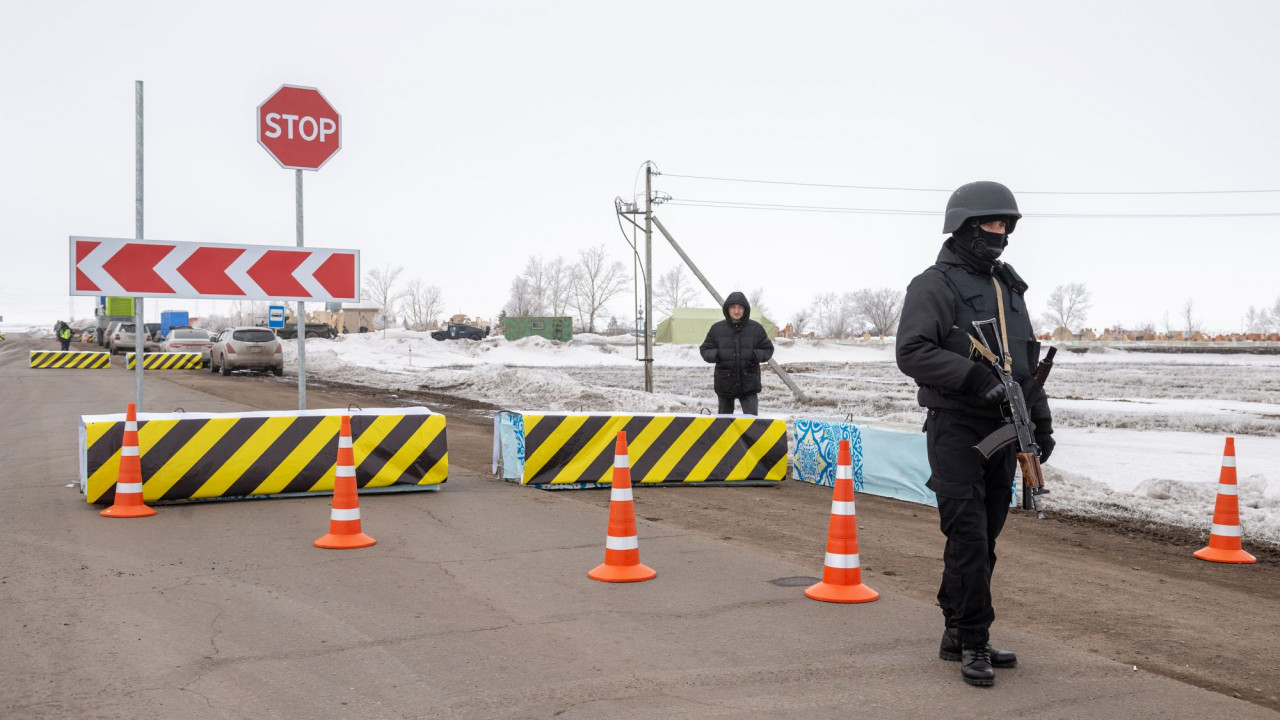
[(1140, 435)]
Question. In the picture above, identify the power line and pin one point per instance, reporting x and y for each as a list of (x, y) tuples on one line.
[(888, 211), (948, 190)]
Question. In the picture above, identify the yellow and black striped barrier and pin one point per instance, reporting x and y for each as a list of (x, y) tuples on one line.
[(70, 359), (576, 450), (200, 456), (165, 361)]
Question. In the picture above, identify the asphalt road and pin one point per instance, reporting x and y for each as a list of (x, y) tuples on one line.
[(474, 603)]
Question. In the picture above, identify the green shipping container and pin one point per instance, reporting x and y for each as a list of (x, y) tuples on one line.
[(551, 328)]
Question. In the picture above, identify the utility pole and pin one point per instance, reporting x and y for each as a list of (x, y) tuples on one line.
[(648, 277), (774, 364)]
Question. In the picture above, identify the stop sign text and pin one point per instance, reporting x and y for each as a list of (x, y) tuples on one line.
[(299, 128)]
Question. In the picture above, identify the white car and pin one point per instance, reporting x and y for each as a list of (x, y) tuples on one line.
[(189, 339), (247, 348)]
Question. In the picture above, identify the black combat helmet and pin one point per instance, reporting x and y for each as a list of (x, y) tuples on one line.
[(980, 199)]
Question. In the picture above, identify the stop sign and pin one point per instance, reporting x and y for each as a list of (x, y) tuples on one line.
[(299, 127)]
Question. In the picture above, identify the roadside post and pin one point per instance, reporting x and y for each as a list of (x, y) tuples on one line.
[(300, 129)]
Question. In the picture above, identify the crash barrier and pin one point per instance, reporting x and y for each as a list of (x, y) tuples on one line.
[(886, 462), (70, 360), (166, 361), (575, 450), (201, 456)]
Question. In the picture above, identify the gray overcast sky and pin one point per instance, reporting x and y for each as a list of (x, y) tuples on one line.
[(476, 134)]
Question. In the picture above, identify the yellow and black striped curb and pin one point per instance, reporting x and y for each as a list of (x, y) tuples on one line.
[(70, 359), (578, 449), (195, 456), (165, 361)]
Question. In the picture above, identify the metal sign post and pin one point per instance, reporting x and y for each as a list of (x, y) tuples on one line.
[(139, 327), (301, 130)]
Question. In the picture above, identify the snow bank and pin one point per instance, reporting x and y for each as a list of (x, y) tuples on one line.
[(1139, 435)]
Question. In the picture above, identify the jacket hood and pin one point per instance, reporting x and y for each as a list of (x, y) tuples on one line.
[(737, 298)]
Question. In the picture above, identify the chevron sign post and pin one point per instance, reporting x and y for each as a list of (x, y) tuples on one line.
[(152, 268)]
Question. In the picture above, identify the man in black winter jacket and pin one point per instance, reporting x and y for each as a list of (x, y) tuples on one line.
[(963, 397), (737, 345)]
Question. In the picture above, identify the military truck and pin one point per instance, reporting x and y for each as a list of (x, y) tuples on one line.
[(458, 331), (311, 330)]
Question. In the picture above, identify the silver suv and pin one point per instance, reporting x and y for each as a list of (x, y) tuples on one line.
[(122, 339), (247, 348)]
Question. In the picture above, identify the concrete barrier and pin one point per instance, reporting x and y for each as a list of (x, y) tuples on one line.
[(165, 361), (201, 456), (887, 462), (70, 360), (575, 450)]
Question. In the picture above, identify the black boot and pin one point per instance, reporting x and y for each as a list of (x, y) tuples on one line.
[(975, 666), (950, 650)]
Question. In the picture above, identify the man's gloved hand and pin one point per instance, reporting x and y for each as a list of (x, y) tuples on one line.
[(981, 383), (1046, 443)]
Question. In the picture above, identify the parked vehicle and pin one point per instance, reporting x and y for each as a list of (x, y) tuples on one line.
[(247, 348), (458, 331), (170, 319), (189, 339), (312, 330), (122, 339)]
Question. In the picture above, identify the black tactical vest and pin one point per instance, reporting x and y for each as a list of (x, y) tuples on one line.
[(975, 298)]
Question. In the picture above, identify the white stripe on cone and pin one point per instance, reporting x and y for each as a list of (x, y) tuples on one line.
[(621, 461), (345, 471), (128, 488), (842, 562), (344, 514), (1229, 461), (1225, 530), (344, 441), (129, 451), (842, 507), (624, 543), (620, 495), (1228, 489), (844, 472)]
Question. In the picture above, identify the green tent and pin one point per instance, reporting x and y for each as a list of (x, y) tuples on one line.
[(689, 326)]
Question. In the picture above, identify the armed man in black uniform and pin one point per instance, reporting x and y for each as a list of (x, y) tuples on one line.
[(963, 396)]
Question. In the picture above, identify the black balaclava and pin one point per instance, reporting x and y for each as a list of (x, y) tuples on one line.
[(977, 246)]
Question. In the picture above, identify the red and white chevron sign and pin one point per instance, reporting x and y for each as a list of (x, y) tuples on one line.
[(152, 268)]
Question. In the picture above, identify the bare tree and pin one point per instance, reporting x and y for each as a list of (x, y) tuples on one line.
[(597, 281), (1257, 320), (1189, 322), (1275, 316), (755, 296), (521, 303), (1068, 307), (879, 309), (559, 275), (800, 320), (832, 314), (380, 289), (674, 290), (422, 305)]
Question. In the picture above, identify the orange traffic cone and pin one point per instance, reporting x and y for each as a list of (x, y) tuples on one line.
[(344, 518), (621, 547), (842, 571), (1224, 536), (128, 501)]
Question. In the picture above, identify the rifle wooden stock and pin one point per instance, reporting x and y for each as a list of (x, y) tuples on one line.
[(1032, 473)]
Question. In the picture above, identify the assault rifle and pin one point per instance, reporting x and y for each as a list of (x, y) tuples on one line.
[(1019, 427)]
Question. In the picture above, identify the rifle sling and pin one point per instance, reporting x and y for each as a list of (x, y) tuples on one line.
[(1004, 333)]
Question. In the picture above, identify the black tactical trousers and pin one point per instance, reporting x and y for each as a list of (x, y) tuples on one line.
[(973, 502), (750, 404)]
